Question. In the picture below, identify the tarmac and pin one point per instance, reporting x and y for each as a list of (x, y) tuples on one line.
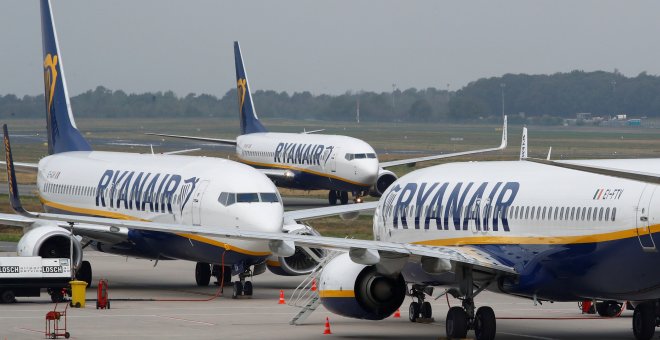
[(135, 286)]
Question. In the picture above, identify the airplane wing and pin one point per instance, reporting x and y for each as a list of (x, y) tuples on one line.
[(305, 132), (24, 167), (199, 139), (178, 152), (646, 177), (412, 161)]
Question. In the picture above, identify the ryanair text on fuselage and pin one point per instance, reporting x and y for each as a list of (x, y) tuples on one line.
[(141, 191), (448, 204), (295, 153)]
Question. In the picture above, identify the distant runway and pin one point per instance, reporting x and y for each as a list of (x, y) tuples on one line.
[(135, 284)]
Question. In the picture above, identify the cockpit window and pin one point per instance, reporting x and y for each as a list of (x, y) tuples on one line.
[(247, 197), (352, 156), (227, 198), (269, 197)]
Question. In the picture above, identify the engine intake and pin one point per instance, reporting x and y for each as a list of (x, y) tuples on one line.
[(359, 291), (50, 241), (303, 261), (385, 179)]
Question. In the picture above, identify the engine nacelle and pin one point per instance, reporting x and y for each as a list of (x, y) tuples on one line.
[(301, 262), (50, 241), (358, 291), (385, 179)]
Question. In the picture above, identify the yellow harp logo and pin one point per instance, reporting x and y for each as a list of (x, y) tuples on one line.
[(50, 79), (242, 88)]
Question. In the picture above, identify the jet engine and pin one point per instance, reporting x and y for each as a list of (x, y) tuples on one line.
[(384, 180), (300, 263), (359, 291), (50, 241)]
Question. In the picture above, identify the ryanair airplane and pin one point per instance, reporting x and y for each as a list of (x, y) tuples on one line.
[(533, 228), (309, 161), (159, 188)]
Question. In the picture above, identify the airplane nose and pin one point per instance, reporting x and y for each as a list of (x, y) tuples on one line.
[(368, 171), (269, 218)]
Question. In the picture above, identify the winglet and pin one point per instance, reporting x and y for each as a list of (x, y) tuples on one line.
[(549, 153), (248, 115), (523, 144), (14, 198), (504, 135)]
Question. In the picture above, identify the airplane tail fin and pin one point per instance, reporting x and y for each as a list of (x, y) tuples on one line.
[(63, 135), (523, 144), (248, 115)]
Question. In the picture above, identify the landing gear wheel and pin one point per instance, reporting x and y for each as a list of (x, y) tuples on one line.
[(238, 290), (456, 323), (247, 288), (484, 324), (413, 311), (608, 308), (332, 197), (84, 273), (7, 296), (644, 321), (202, 274), (343, 197), (426, 310)]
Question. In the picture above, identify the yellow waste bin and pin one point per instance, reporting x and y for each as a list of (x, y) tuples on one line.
[(78, 289)]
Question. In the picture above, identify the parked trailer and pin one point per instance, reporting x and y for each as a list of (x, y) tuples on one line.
[(23, 276)]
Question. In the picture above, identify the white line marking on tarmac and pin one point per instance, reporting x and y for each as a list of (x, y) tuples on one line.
[(186, 320), (526, 336)]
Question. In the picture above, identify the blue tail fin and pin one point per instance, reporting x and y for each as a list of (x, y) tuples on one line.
[(249, 121), (62, 132)]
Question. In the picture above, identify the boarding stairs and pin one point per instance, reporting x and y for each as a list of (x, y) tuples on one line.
[(303, 297)]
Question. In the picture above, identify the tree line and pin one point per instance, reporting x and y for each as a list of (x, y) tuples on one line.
[(541, 98)]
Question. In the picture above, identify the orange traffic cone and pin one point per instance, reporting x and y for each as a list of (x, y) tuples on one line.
[(313, 285), (327, 326), (281, 298), (397, 314)]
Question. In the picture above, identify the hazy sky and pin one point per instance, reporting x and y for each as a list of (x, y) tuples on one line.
[(323, 46)]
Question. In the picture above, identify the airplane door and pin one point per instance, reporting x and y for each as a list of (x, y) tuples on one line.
[(197, 203), (333, 160), (643, 223)]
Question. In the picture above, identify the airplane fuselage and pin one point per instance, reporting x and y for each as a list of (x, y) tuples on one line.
[(169, 189), (569, 234), (315, 161)]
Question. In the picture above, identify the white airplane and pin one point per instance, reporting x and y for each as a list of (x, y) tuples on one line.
[(160, 188), (308, 161), (548, 232)]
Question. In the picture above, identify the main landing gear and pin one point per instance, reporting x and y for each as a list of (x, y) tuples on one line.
[(461, 319), (242, 287), (204, 271), (645, 319), (334, 195), (420, 309)]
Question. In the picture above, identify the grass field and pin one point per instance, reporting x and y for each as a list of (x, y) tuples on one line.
[(391, 140)]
